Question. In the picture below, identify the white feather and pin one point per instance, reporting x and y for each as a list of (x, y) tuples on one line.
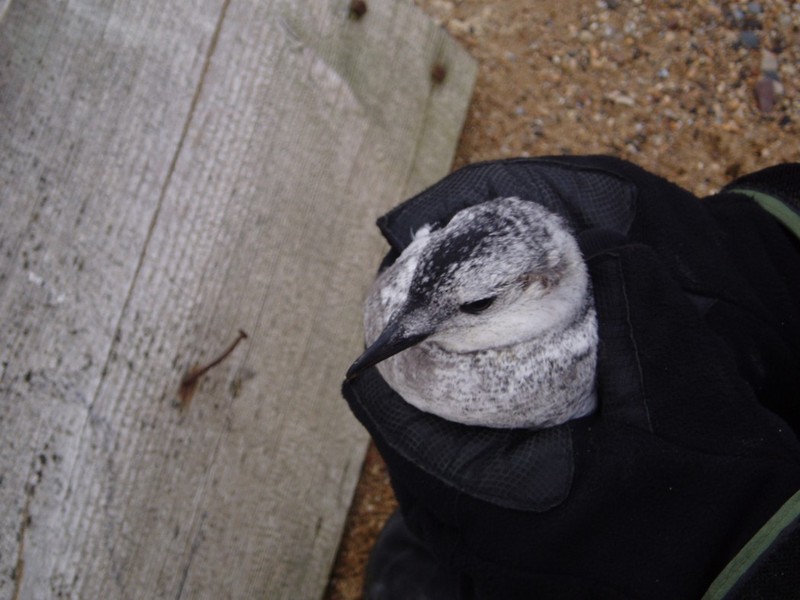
[(526, 361)]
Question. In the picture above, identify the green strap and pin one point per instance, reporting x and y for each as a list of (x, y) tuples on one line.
[(754, 549), (774, 206)]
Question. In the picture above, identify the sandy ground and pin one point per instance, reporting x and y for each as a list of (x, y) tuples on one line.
[(699, 92)]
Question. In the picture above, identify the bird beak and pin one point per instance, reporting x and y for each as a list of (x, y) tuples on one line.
[(392, 340)]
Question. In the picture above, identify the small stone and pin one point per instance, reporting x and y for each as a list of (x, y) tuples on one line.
[(460, 27), (618, 97), (731, 127), (712, 11), (443, 5), (765, 94), (769, 62), (749, 39), (732, 104), (754, 8), (585, 37)]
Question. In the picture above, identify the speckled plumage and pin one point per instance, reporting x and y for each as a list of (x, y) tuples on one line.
[(528, 358)]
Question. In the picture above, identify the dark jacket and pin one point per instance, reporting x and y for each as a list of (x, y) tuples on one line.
[(694, 446)]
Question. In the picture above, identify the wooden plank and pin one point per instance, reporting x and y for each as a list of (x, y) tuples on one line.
[(173, 172)]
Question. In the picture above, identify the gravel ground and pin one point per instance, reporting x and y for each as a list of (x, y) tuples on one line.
[(697, 91)]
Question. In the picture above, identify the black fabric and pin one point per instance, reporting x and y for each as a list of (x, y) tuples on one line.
[(781, 181), (694, 444), (773, 576), (402, 568), (508, 467), (766, 339), (588, 197)]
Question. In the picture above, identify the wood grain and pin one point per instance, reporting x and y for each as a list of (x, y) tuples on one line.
[(172, 173)]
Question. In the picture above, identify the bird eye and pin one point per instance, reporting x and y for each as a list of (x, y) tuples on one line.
[(478, 306)]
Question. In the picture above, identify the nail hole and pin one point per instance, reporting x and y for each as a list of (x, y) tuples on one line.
[(438, 73), (358, 8)]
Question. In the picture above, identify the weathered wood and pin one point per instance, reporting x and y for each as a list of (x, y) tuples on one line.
[(170, 173)]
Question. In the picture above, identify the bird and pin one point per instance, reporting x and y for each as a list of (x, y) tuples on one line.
[(488, 320)]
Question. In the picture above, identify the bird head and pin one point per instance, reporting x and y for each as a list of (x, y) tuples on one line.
[(499, 273)]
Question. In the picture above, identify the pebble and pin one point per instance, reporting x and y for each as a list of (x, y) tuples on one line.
[(716, 64), (749, 39), (765, 94), (769, 85), (443, 5), (769, 62), (618, 97)]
